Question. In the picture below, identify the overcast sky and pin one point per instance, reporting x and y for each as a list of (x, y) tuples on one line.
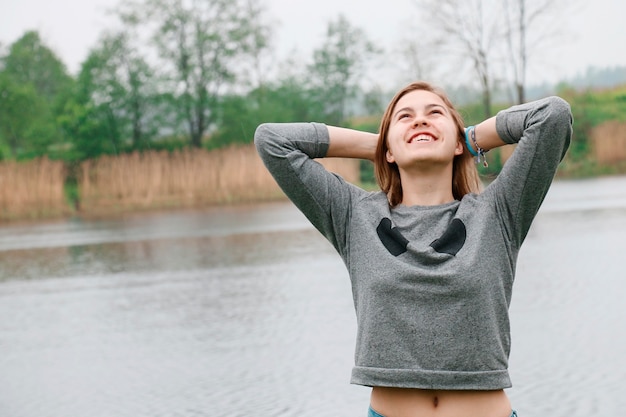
[(71, 27)]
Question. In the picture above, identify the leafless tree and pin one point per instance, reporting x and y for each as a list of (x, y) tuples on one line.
[(466, 30), (508, 34), (418, 64), (531, 28)]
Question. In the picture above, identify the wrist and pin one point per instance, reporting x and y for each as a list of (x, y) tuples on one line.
[(468, 131), (476, 150)]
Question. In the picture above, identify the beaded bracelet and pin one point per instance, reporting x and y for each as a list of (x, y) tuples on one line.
[(467, 142), (479, 153)]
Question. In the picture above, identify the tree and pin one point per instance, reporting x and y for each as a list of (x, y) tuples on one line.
[(90, 130), (21, 111), (121, 81), (338, 65), (516, 28), (35, 85), (287, 100), (30, 61), (200, 47), (530, 22), (467, 29), (494, 34), (417, 64), (91, 118)]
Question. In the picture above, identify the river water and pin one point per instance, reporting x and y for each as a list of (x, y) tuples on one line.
[(246, 311)]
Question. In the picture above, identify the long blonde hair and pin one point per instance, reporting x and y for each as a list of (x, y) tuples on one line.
[(465, 177)]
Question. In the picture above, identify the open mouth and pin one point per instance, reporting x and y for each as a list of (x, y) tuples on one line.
[(422, 137)]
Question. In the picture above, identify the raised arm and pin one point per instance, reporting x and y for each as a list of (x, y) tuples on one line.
[(289, 151), (349, 143), (542, 130), (486, 135)]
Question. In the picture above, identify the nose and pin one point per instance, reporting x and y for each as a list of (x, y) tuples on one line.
[(420, 120)]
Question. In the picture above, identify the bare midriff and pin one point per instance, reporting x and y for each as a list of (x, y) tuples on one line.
[(410, 402)]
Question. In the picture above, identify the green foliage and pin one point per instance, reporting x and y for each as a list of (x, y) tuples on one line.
[(473, 114), (367, 124), (31, 62), (17, 111), (366, 168), (170, 143), (91, 130), (237, 119), (238, 116), (200, 90), (115, 78), (337, 67), (34, 85), (200, 47), (72, 194), (590, 109), (599, 106), (26, 124)]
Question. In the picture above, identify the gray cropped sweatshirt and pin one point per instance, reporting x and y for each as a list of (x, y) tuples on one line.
[(431, 284)]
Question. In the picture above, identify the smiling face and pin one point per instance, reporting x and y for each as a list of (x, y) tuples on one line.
[(443, 138), (422, 130)]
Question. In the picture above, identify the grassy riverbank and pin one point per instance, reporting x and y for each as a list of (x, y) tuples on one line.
[(153, 180), (157, 180)]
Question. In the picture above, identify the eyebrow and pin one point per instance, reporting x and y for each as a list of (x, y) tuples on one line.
[(427, 107)]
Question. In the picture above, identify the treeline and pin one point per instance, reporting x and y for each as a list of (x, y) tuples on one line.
[(176, 74)]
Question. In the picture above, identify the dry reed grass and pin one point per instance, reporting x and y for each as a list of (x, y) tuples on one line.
[(190, 177), (32, 189), (609, 142)]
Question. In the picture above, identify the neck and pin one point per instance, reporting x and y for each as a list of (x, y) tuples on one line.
[(427, 187)]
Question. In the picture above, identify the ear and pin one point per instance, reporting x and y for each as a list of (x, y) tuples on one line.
[(389, 157), (459, 148)]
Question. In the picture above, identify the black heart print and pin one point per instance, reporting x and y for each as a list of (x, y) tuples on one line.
[(450, 242)]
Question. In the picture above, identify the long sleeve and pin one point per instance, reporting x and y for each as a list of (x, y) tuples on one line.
[(288, 151), (542, 130)]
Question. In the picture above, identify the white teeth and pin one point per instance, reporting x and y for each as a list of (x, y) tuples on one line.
[(421, 138)]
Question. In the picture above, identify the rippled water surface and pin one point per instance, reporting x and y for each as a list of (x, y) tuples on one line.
[(247, 311)]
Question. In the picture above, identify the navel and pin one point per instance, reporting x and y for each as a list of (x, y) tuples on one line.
[(435, 401)]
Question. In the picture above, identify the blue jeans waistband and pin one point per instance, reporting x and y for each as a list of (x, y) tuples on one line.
[(372, 413)]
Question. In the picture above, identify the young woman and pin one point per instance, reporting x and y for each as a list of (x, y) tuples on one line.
[(431, 257)]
